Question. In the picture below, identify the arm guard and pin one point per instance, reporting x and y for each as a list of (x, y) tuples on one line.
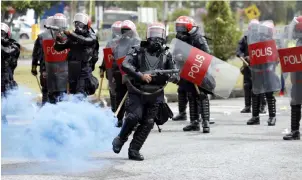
[(130, 63), (83, 40)]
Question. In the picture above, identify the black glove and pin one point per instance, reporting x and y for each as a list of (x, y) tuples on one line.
[(34, 70), (183, 37), (4, 41), (101, 73)]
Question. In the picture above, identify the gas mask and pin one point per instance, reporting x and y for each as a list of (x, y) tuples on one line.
[(183, 36), (155, 44), (80, 28), (126, 33), (4, 38)]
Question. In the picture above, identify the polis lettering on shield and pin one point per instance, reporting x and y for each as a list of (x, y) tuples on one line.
[(262, 52), (293, 59), (53, 51), (199, 59)]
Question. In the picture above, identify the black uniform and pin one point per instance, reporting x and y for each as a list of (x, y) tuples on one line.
[(38, 60), (242, 51), (82, 51), (10, 51), (112, 44), (124, 45), (197, 40), (140, 108)]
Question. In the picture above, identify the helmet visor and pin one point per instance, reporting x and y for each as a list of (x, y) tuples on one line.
[(156, 32)]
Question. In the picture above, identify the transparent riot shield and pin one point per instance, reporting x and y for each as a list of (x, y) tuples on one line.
[(263, 56), (204, 70), (291, 64)]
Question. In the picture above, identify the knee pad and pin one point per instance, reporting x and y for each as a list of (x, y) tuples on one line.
[(131, 119), (149, 123)]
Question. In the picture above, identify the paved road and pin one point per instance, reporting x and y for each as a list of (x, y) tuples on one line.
[(232, 151)]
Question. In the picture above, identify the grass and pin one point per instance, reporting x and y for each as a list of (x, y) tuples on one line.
[(24, 77)]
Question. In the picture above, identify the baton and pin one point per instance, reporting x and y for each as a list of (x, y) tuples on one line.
[(100, 88), (121, 104), (244, 61), (38, 83)]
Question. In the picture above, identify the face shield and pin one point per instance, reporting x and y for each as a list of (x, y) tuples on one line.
[(156, 32), (81, 22), (116, 29), (60, 21), (156, 36), (266, 30), (5, 31), (181, 27)]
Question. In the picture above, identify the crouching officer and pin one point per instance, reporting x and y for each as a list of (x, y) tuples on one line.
[(141, 108)]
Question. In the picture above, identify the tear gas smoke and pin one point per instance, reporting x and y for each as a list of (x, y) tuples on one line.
[(67, 132)]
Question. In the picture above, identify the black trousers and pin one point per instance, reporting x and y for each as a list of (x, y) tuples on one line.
[(120, 90)]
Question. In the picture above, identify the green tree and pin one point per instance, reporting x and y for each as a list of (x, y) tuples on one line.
[(22, 6), (221, 28), (179, 12)]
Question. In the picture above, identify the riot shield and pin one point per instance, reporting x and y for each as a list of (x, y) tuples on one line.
[(204, 70), (109, 59), (291, 64), (119, 63), (56, 67), (263, 56)]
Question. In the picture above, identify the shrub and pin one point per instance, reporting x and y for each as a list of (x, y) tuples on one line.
[(220, 26)]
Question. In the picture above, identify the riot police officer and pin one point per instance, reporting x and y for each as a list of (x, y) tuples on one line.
[(259, 33), (37, 60), (10, 51), (189, 32), (81, 43), (116, 33), (54, 62), (128, 39), (296, 79), (141, 108), (242, 52)]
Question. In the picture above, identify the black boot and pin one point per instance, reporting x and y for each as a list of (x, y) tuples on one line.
[(125, 132), (205, 115), (182, 107), (246, 109), (294, 135), (247, 98), (262, 104), (271, 109), (139, 138), (255, 120), (119, 123), (44, 97), (193, 126), (295, 123), (113, 102), (194, 117)]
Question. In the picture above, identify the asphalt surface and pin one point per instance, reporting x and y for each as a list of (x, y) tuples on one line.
[(232, 151)]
